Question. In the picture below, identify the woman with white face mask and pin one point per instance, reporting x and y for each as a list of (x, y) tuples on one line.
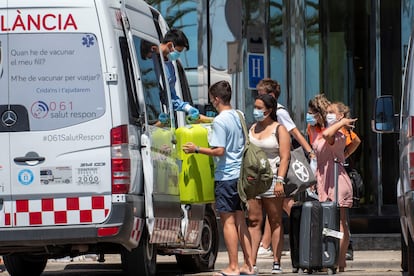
[(329, 143), (263, 135)]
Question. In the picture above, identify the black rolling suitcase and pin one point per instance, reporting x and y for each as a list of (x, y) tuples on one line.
[(294, 229), (294, 226), (314, 233)]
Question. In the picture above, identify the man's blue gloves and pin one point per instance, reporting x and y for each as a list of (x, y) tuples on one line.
[(164, 118), (193, 115)]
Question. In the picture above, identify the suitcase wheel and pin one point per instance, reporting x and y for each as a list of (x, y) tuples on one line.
[(300, 271), (303, 271), (331, 271)]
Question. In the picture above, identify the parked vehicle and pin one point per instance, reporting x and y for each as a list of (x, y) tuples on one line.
[(386, 121), (78, 109)]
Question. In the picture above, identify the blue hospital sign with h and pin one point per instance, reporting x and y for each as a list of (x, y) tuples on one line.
[(256, 69)]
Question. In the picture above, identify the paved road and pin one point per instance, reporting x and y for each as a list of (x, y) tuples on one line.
[(378, 263)]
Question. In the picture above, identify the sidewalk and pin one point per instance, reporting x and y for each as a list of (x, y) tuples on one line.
[(366, 262)]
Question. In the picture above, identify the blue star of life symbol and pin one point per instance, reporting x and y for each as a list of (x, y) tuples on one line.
[(88, 40)]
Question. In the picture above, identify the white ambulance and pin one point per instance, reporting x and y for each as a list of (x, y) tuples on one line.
[(83, 168), (386, 121)]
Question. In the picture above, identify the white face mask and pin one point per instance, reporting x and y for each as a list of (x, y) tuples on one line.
[(331, 119)]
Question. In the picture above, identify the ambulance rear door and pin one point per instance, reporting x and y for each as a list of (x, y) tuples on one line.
[(56, 116), (163, 208)]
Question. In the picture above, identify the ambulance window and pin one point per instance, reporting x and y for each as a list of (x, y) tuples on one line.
[(152, 77), (185, 87), (56, 77), (133, 104)]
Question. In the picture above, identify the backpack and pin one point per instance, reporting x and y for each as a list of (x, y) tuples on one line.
[(256, 174), (357, 186)]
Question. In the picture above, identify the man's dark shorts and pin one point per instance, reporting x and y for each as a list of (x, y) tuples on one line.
[(227, 197)]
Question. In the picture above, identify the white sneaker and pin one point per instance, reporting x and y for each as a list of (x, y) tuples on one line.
[(276, 269), (264, 252)]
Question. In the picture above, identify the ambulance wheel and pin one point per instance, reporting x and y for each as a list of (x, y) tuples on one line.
[(209, 243), (24, 265), (141, 260)]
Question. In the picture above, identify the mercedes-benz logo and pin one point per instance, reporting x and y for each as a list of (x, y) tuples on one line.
[(9, 118)]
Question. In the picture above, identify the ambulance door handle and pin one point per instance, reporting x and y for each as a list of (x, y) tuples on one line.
[(30, 159)]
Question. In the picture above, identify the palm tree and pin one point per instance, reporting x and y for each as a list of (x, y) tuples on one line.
[(174, 15)]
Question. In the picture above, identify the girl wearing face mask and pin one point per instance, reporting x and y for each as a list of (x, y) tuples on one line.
[(316, 115), (352, 142), (328, 144), (315, 118), (263, 134)]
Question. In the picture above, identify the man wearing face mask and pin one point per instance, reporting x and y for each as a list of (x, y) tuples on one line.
[(173, 43), (226, 144)]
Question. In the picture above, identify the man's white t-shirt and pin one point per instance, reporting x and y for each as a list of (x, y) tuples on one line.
[(283, 117)]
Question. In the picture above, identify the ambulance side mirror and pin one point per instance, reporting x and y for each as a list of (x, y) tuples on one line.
[(384, 117)]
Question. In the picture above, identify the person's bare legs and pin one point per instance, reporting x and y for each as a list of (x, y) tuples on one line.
[(344, 242), (255, 215), (231, 239), (287, 205), (245, 242), (274, 210), (267, 235)]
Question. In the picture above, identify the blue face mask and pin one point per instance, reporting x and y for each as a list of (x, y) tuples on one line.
[(258, 115), (310, 119), (174, 55)]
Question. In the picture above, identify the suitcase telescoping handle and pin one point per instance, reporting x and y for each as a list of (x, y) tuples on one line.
[(336, 175)]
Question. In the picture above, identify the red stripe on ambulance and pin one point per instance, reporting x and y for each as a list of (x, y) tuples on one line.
[(53, 211)]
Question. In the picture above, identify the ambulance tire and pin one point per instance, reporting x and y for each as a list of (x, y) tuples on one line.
[(209, 242), (24, 265), (141, 260)]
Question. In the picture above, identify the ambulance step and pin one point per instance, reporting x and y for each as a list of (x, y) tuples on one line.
[(183, 251)]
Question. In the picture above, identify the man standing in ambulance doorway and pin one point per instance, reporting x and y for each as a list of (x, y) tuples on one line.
[(173, 43)]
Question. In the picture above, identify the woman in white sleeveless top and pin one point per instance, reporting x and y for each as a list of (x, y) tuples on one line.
[(263, 134)]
